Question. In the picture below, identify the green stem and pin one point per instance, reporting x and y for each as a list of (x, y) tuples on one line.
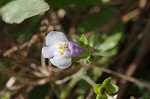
[(89, 80)]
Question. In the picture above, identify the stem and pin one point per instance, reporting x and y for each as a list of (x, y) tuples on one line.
[(89, 80)]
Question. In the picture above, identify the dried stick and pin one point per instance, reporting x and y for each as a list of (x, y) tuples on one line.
[(125, 77), (144, 49), (27, 44)]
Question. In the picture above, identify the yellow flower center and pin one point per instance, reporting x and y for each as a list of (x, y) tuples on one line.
[(61, 51), (60, 45), (62, 48)]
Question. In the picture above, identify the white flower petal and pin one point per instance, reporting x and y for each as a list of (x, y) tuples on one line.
[(55, 37), (61, 62), (112, 97), (47, 52)]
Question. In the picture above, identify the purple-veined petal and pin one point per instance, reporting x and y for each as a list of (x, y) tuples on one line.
[(76, 49), (61, 62), (55, 37), (47, 52)]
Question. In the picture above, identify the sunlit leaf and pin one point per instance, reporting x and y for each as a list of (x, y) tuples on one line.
[(96, 88), (19, 10), (84, 39), (110, 42), (111, 88), (107, 81)]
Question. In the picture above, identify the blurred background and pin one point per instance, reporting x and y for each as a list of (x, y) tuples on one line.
[(119, 30)]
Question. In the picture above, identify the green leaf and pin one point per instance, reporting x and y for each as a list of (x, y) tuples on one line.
[(104, 96), (96, 88), (98, 97), (105, 88), (99, 89), (107, 81), (77, 59), (87, 59), (111, 88), (110, 42), (75, 38), (83, 42), (92, 40), (19, 10), (83, 39)]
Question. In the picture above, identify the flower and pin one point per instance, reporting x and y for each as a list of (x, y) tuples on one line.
[(59, 50), (112, 97)]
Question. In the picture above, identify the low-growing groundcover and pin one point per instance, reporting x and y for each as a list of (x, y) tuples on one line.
[(73, 49)]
